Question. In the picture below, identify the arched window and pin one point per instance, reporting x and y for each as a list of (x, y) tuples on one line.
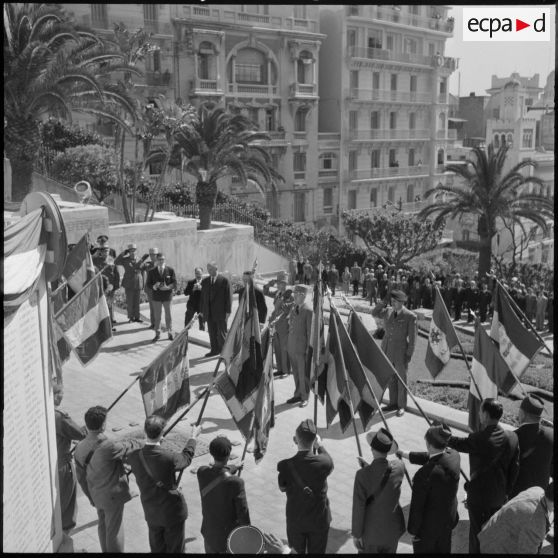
[(509, 139), (442, 120), (503, 139), (300, 120), (250, 66), (207, 68), (496, 141), (440, 157)]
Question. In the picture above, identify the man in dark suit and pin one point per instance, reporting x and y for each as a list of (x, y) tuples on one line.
[(398, 344), (247, 276), (216, 303), (161, 279), (494, 464), (193, 292), (304, 479), (146, 267), (377, 520), (427, 294), (536, 444), (300, 326), (485, 296), (223, 498), (433, 513), (101, 475), (133, 280), (164, 506), (111, 279), (66, 431)]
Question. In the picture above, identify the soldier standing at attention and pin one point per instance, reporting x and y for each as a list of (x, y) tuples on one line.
[(398, 344), (133, 280), (66, 431)]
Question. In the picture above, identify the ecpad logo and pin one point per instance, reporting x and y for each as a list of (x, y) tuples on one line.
[(507, 23)]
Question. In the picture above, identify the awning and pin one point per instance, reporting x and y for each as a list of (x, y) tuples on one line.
[(454, 119)]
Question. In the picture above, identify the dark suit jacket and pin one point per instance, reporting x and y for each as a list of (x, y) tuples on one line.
[(490, 485), (66, 431), (159, 507), (216, 300), (194, 300), (223, 508), (168, 277), (307, 513), (434, 498), (260, 303), (133, 274), (381, 522), (536, 459)]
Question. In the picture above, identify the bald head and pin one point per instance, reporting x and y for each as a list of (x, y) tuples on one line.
[(212, 268)]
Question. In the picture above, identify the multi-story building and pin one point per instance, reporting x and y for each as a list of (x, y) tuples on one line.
[(384, 90)]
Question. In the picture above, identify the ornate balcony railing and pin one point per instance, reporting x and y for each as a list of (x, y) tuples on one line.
[(389, 96), (389, 134), (386, 172), (250, 90)]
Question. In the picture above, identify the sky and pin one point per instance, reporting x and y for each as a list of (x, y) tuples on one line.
[(478, 61)]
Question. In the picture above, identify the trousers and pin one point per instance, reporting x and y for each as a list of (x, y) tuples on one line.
[(149, 293), (281, 354), (157, 311), (308, 542), (217, 330), (68, 504), (439, 544), (110, 528), (397, 393), (167, 540), (302, 381), (132, 303)]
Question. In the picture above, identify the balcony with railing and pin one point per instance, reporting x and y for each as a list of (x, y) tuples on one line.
[(387, 172), (251, 90), (223, 14), (328, 173), (303, 90), (379, 95), (363, 135), (299, 175), (391, 55), (449, 134), (276, 139)]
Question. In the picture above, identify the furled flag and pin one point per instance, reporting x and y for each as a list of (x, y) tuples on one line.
[(518, 346), (24, 256), (316, 349), (85, 321), (58, 300), (79, 266), (165, 383), (331, 382), (264, 412), (377, 367), (242, 349), (489, 372), (441, 338), (360, 389)]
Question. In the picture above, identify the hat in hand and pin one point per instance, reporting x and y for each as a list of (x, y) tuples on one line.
[(382, 441), (533, 405)]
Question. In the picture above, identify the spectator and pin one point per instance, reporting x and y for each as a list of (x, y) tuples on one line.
[(149, 264), (300, 270), (193, 292), (333, 278), (346, 277), (530, 304), (325, 276), (550, 312), (485, 298), (427, 294), (308, 271), (355, 277), (472, 301), (542, 302)]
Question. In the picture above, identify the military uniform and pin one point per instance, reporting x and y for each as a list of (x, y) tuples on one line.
[(308, 515), (398, 345), (66, 431), (282, 303), (133, 282), (300, 326)]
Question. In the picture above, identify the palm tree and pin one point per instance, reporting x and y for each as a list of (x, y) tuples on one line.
[(218, 144), (491, 194), (50, 65)]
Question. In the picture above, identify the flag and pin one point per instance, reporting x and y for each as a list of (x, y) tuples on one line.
[(264, 412), (441, 338), (517, 345), (55, 362), (316, 348), (242, 349), (489, 372), (79, 266), (165, 384), (58, 300), (25, 246), (241, 411), (377, 367), (359, 387), (85, 321), (331, 382)]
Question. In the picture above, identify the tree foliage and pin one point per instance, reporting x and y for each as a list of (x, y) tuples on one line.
[(396, 236), (59, 136)]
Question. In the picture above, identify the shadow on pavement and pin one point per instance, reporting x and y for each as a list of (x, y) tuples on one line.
[(126, 347), (334, 432), (336, 539)]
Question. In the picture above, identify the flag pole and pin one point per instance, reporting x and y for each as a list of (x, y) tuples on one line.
[(412, 397), (208, 390), (314, 359), (346, 381), (469, 369), (245, 450), (525, 319)]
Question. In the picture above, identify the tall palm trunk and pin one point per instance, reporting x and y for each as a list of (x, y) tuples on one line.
[(22, 141), (486, 233), (123, 192), (136, 179), (206, 194), (152, 204)]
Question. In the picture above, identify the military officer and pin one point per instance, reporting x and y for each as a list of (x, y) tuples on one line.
[(304, 479), (66, 431), (398, 344), (377, 520), (133, 280), (101, 243), (536, 443), (300, 325), (433, 513)]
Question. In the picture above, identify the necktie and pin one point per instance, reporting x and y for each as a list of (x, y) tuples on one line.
[(297, 311), (212, 281), (395, 314)]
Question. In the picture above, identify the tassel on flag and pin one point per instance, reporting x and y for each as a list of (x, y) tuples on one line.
[(264, 411), (518, 346), (165, 384), (442, 338), (489, 371)]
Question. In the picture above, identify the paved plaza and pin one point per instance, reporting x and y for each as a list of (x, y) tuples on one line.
[(131, 349)]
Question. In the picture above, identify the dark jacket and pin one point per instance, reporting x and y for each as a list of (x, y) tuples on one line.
[(161, 507), (260, 303), (66, 431), (307, 512), (168, 277), (490, 484), (133, 274), (216, 300), (536, 459), (224, 507), (194, 300), (434, 497)]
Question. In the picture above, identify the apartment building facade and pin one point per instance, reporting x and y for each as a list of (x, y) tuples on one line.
[(384, 90)]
